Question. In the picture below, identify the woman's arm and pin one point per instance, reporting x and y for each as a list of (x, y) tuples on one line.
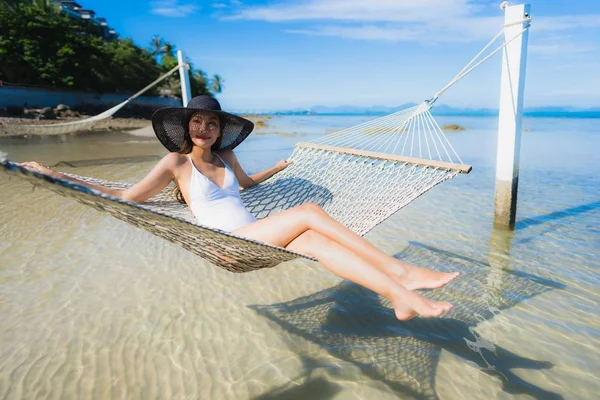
[(246, 180), (267, 173), (156, 180)]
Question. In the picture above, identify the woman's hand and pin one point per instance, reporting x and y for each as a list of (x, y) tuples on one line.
[(283, 164), (38, 167)]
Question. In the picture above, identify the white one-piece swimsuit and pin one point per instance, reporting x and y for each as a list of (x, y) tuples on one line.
[(216, 207)]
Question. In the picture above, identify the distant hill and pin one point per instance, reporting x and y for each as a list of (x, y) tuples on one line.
[(377, 109), (440, 109)]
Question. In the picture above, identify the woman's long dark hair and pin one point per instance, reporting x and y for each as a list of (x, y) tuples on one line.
[(186, 148)]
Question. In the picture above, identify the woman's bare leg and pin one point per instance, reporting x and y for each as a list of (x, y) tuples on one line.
[(282, 228), (348, 265)]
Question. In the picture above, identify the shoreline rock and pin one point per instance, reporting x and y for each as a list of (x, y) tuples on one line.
[(453, 127)]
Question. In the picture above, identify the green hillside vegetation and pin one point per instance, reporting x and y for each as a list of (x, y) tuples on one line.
[(40, 45)]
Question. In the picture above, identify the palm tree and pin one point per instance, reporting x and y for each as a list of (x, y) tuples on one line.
[(216, 84), (199, 82), (156, 45), (168, 49)]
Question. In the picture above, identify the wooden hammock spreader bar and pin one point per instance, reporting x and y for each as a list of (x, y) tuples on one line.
[(462, 168)]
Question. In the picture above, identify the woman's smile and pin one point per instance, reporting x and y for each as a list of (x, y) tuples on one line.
[(203, 136)]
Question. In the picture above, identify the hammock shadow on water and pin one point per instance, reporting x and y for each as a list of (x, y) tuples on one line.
[(282, 194), (313, 388), (352, 324)]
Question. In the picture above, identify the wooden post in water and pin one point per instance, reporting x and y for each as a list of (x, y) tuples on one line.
[(514, 61), (184, 78)]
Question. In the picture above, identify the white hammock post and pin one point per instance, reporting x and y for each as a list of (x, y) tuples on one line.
[(184, 77), (514, 62)]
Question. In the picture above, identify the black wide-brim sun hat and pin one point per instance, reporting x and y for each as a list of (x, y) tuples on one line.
[(172, 124)]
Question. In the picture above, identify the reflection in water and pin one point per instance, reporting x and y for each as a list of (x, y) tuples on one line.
[(568, 212), (498, 259), (105, 161), (552, 221), (349, 322)]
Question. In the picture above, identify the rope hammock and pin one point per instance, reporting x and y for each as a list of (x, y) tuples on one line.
[(360, 176), (83, 124)]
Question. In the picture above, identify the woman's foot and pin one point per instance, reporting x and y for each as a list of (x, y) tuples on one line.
[(408, 304), (412, 277)]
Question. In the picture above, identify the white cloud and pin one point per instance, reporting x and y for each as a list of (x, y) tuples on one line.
[(172, 8), (365, 32), (427, 21), (573, 92), (359, 10), (561, 48), (566, 22), (399, 33), (386, 20)]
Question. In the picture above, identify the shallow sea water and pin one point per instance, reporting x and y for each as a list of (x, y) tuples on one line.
[(91, 307)]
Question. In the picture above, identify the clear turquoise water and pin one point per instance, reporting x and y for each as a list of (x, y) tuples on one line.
[(94, 308)]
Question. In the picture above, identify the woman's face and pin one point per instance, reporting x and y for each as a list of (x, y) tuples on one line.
[(204, 128)]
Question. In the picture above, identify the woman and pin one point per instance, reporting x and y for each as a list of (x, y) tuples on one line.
[(208, 176)]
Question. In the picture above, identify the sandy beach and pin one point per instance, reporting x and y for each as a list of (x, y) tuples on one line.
[(137, 126)]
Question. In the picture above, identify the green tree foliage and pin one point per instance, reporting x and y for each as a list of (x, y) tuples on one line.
[(40, 45), (216, 84), (198, 82), (168, 49)]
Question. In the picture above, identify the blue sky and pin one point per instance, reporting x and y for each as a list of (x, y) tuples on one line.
[(291, 54)]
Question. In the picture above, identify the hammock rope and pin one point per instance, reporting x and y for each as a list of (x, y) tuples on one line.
[(361, 176), (471, 65), (83, 124)]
